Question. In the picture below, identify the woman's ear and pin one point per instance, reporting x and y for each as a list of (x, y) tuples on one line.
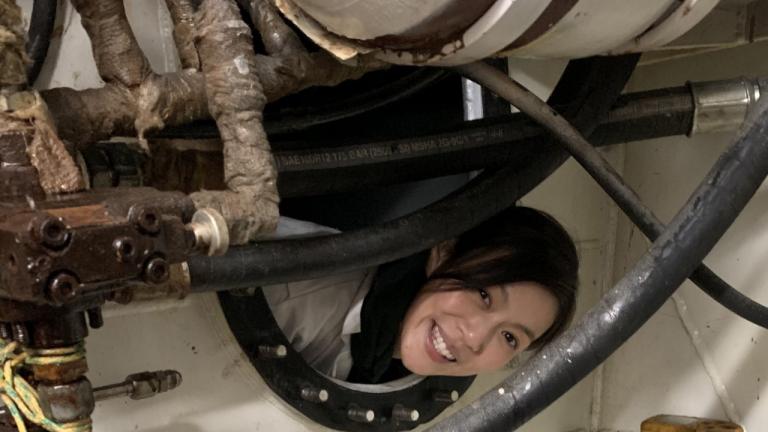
[(439, 254)]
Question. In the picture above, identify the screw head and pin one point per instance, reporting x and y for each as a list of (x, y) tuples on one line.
[(63, 288), (157, 271)]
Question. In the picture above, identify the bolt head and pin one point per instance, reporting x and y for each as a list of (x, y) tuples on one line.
[(51, 232), (157, 271), (146, 219), (63, 287)]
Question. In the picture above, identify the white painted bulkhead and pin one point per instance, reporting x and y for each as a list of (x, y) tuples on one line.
[(660, 370)]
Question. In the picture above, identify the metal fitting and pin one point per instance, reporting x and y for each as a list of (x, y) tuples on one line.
[(142, 385), (721, 106), (211, 232), (57, 403), (311, 394), (360, 415), (95, 318), (148, 384), (273, 352), (20, 333), (5, 332), (401, 413), (445, 396), (65, 403)]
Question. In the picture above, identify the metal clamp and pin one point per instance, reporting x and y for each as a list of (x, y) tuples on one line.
[(721, 106)]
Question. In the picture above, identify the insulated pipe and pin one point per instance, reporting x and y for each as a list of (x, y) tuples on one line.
[(602, 171), (591, 85), (724, 192)]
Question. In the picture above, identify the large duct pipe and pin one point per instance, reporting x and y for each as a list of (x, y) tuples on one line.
[(452, 32)]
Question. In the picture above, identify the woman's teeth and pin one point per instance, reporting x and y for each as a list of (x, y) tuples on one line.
[(439, 344)]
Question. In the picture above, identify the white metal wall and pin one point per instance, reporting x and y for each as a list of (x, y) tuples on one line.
[(693, 357)]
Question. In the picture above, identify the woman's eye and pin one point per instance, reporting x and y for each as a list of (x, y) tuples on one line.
[(511, 339), (485, 296)]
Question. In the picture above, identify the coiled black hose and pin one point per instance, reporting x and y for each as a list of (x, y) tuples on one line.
[(39, 35), (725, 191), (588, 89), (602, 171)]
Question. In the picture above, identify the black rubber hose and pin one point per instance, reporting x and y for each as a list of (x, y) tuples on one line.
[(591, 85), (292, 119), (39, 35), (709, 212), (333, 167), (610, 180)]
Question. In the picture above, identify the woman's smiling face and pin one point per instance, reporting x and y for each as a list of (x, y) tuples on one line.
[(454, 331)]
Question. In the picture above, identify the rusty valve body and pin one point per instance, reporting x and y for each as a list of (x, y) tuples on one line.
[(55, 251)]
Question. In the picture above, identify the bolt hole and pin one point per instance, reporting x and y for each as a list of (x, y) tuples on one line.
[(159, 271), (126, 248), (150, 219), (53, 231), (66, 289), (12, 264)]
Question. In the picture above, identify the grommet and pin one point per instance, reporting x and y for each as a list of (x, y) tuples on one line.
[(402, 413), (311, 394), (275, 352), (446, 396), (360, 415)]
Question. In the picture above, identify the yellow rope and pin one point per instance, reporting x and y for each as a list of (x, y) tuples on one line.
[(56, 356), (20, 398)]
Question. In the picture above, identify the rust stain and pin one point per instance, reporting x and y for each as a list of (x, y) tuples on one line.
[(85, 215), (551, 16), (437, 31)]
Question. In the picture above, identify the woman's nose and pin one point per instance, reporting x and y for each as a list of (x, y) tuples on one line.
[(476, 332)]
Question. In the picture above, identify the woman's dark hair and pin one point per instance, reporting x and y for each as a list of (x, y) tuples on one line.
[(520, 244)]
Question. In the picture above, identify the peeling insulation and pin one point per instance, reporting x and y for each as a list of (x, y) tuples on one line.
[(183, 16), (118, 56), (236, 101), (13, 58), (57, 170)]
